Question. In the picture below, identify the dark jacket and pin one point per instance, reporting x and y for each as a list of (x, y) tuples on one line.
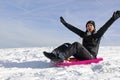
[(91, 42)]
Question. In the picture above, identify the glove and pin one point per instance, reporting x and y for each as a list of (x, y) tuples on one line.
[(62, 20), (116, 15)]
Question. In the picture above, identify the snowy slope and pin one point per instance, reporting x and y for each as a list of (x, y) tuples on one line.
[(30, 64)]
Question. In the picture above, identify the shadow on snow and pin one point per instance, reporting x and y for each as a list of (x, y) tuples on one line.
[(30, 64)]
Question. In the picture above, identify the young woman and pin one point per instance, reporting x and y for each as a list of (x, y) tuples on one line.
[(90, 45)]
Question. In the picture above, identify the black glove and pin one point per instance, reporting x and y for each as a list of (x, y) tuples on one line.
[(62, 20), (116, 15)]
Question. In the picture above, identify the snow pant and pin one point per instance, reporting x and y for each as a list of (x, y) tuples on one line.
[(67, 50)]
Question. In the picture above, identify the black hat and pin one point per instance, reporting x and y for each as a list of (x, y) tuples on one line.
[(91, 22)]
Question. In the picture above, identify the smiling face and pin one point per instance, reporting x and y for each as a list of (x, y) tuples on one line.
[(90, 27)]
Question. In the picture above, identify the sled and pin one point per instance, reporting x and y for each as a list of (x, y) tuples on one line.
[(73, 61)]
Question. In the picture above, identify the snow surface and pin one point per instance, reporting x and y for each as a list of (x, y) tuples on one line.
[(30, 64)]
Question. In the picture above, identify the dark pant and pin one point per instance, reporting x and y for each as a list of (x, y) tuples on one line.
[(76, 49)]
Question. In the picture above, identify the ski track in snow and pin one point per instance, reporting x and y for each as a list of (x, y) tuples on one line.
[(30, 64)]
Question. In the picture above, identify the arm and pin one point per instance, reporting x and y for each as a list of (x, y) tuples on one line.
[(72, 28), (104, 28)]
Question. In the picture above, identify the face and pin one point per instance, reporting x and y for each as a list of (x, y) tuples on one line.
[(90, 27)]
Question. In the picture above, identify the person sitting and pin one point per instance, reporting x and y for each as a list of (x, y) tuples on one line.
[(90, 44)]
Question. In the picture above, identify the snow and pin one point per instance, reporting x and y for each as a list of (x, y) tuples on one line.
[(30, 64)]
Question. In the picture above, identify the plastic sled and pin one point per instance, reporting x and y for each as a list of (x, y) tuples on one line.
[(73, 61)]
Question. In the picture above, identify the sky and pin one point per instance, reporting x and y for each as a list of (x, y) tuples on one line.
[(36, 23)]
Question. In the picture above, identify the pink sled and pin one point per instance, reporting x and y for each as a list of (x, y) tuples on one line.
[(74, 61)]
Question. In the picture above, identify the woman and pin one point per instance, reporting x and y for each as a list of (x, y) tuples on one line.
[(90, 45)]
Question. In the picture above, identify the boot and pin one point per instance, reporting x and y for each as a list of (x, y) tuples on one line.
[(53, 57), (59, 54)]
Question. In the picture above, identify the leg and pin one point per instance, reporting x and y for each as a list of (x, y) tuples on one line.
[(76, 50), (80, 52), (59, 53), (66, 50), (61, 49)]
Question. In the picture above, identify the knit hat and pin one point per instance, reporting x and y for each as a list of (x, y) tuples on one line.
[(91, 22)]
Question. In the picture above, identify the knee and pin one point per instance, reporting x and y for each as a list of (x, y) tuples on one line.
[(67, 44), (77, 44)]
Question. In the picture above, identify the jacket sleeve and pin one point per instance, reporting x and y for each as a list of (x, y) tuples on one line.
[(104, 28), (74, 29)]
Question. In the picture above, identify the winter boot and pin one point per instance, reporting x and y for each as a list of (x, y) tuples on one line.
[(53, 57)]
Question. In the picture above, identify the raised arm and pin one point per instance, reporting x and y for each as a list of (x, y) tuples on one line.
[(72, 28), (103, 29)]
